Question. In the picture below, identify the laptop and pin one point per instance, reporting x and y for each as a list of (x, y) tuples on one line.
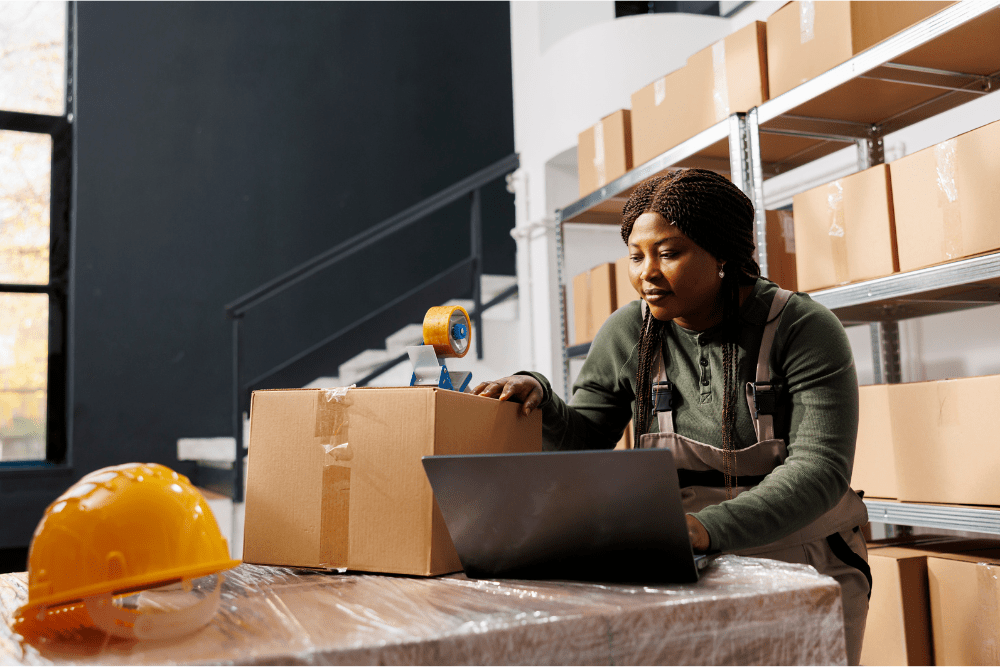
[(612, 516)]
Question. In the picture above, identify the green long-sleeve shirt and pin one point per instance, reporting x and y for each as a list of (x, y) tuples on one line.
[(817, 417)]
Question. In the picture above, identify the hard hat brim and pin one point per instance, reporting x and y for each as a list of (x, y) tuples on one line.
[(124, 586)]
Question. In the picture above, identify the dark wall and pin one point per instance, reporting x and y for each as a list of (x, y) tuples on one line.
[(222, 144)]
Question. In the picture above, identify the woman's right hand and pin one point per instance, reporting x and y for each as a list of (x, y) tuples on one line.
[(522, 389)]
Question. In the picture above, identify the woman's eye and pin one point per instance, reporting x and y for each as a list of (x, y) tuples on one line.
[(668, 255), (634, 258)]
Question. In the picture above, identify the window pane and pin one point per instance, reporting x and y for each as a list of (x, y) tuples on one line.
[(25, 182), (24, 356), (33, 56)]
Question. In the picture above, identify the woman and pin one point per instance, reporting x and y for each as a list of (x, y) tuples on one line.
[(709, 340)]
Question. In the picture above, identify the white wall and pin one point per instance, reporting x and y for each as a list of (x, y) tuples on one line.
[(574, 63)]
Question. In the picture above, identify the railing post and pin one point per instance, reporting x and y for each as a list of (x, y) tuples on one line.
[(238, 490), (476, 236)]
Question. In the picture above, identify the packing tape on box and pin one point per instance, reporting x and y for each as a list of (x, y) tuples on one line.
[(787, 224), (599, 153), (985, 637), (944, 156), (837, 232), (331, 425), (720, 86), (331, 429), (807, 21), (659, 91)]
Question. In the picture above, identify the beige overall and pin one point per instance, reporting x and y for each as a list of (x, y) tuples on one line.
[(833, 543)]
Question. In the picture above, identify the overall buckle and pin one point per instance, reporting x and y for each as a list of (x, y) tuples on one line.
[(765, 398), (663, 397)]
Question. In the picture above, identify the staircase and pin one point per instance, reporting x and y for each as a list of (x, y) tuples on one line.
[(501, 356), (499, 348)]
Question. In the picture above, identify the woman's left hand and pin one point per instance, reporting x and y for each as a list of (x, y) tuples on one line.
[(700, 540)]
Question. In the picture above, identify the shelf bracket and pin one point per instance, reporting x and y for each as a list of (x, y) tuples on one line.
[(927, 77)]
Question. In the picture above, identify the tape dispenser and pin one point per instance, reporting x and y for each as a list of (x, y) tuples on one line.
[(447, 331)]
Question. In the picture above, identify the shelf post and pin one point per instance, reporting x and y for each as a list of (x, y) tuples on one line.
[(753, 183), (561, 284), (885, 352), (871, 150)]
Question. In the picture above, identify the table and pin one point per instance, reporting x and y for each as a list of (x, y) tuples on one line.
[(743, 611)]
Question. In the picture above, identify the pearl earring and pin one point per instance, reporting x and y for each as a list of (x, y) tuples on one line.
[(722, 272)]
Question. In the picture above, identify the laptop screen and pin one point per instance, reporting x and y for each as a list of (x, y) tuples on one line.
[(591, 515)]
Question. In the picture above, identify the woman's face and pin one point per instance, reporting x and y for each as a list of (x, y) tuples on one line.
[(677, 278)]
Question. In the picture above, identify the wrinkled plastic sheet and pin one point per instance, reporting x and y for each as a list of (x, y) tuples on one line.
[(743, 611)]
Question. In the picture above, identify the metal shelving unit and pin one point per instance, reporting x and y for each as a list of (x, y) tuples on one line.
[(918, 73)]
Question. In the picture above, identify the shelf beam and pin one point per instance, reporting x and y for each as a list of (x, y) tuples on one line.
[(680, 155), (974, 272), (949, 517), (975, 84), (916, 35)]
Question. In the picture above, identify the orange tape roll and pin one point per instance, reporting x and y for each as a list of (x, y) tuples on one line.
[(448, 329)]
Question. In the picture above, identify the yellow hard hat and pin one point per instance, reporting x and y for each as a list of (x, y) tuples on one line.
[(119, 530)]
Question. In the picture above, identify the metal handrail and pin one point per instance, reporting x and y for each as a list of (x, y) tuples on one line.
[(366, 238), (470, 186)]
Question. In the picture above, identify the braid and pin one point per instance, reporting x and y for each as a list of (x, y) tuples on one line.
[(718, 217), (649, 338)]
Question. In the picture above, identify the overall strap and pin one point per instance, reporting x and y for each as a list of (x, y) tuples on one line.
[(663, 403), (662, 398), (762, 394)]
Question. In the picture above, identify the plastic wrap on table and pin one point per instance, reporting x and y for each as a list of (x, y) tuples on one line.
[(743, 611)]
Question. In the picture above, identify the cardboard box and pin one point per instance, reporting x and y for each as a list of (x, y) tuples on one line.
[(729, 76), (604, 151), (780, 239), (898, 631), (946, 441), (946, 199), (874, 458), (337, 481), (594, 299), (965, 607), (624, 292), (805, 39), (844, 231)]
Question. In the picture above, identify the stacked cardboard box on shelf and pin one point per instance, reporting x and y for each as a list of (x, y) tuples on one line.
[(594, 299), (930, 442), (845, 231), (874, 457), (597, 293), (604, 151), (899, 627), (335, 478), (805, 39), (965, 607), (781, 249), (946, 199), (624, 292), (729, 76), (945, 435)]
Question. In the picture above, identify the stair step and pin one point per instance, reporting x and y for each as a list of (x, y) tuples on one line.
[(411, 334), (325, 383), (361, 365), (492, 285)]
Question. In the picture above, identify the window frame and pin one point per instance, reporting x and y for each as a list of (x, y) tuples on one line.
[(62, 213)]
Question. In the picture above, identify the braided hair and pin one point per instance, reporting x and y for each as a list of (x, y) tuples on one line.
[(719, 218)]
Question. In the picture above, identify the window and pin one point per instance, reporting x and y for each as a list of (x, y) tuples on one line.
[(36, 67)]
